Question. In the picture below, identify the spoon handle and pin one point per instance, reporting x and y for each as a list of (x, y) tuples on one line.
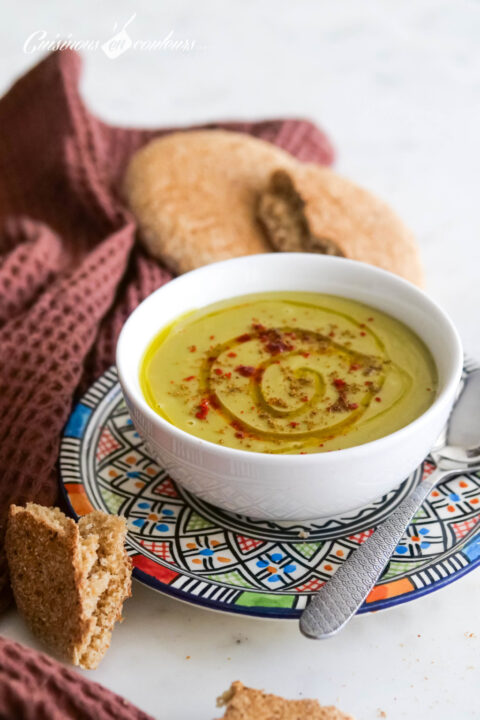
[(335, 603)]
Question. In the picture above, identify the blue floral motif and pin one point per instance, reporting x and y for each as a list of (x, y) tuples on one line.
[(277, 572), (414, 541)]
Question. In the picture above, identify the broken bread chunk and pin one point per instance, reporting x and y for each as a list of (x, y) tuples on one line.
[(69, 579), (243, 703), (281, 212)]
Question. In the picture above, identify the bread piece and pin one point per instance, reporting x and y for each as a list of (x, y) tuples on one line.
[(281, 211), (363, 226), (69, 579), (206, 195), (194, 195), (244, 703)]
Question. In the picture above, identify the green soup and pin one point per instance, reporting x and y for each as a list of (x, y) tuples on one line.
[(288, 372)]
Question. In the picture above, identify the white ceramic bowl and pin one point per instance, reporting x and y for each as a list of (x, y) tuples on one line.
[(290, 487)]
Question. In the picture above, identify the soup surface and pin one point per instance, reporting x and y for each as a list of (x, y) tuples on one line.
[(288, 372)]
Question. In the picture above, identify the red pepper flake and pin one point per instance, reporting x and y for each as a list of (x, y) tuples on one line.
[(278, 346), (259, 375), (212, 337), (190, 377), (305, 354), (429, 389), (245, 370), (293, 424), (302, 453), (339, 383), (370, 319), (193, 348), (378, 399), (244, 338), (274, 342), (368, 382), (259, 327), (212, 399), (353, 406), (239, 428), (321, 445), (202, 410), (304, 398), (211, 359), (218, 371), (355, 366), (228, 375), (363, 333), (331, 334), (231, 354)]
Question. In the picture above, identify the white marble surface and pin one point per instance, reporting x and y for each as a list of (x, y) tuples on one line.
[(397, 86)]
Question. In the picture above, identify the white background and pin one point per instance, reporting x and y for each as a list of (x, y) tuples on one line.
[(397, 87)]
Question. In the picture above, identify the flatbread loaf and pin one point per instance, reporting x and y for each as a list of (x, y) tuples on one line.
[(207, 195), (69, 579)]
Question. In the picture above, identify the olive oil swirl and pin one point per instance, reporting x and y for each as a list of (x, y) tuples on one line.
[(277, 422)]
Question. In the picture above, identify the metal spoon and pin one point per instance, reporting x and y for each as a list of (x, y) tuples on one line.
[(458, 451)]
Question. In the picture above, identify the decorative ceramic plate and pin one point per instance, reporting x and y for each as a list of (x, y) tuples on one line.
[(187, 548)]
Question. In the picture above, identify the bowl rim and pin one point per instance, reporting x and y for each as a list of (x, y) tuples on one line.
[(353, 452)]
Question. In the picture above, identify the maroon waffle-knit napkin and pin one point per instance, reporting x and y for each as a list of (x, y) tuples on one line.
[(70, 273), (33, 686)]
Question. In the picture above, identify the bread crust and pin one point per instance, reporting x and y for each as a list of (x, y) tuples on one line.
[(194, 195)]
